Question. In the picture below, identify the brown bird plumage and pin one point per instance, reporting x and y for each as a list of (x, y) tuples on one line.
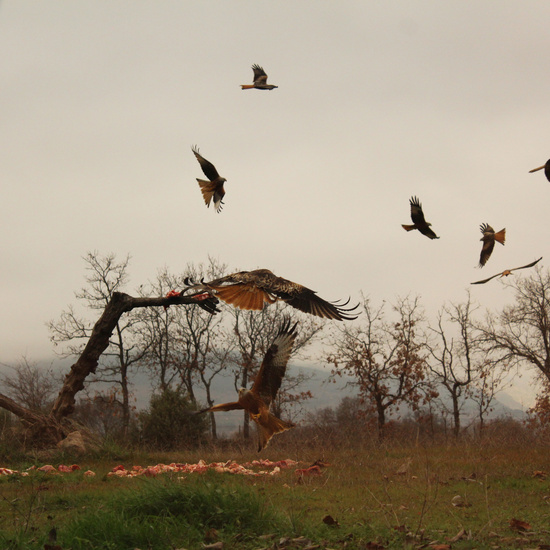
[(489, 238), (257, 400), (419, 222), (507, 272), (212, 189), (253, 289), (260, 80)]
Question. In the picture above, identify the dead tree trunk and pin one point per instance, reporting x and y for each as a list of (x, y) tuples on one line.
[(51, 426)]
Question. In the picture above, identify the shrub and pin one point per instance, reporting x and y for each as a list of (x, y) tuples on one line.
[(169, 423)]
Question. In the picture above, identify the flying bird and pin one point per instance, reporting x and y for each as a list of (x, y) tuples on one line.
[(507, 272), (546, 169), (420, 222), (253, 289), (260, 80), (257, 400), (212, 189), (489, 238)]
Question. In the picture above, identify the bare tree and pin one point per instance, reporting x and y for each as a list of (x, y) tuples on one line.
[(488, 382), (187, 348), (171, 335), (520, 333), (31, 386), (105, 276), (385, 358), (453, 358)]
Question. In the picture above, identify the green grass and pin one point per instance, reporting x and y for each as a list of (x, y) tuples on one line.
[(166, 512), (360, 490)]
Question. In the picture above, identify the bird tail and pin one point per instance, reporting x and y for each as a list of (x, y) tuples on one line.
[(501, 236), (408, 227), (269, 427), (207, 188), (246, 86)]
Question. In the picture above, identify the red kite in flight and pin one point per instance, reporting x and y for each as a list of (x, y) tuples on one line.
[(507, 272), (258, 398), (489, 238), (260, 80), (252, 289), (546, 169), (214, 187), (417, 217)]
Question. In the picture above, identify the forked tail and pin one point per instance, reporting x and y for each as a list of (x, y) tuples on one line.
[(270, 427), (501, 236)]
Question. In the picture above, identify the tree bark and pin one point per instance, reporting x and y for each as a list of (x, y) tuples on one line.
[(22, 412)]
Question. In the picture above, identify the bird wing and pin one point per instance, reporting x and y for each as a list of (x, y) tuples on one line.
[(486, 251), (207, 167), (528, 265), (486, 229), (243, 296), (303, 298), (486, 280), (242, 290), (235, 405), (307, 301), (273, 367), (417, 216), (488, 243), (426, 230), (260, 77)]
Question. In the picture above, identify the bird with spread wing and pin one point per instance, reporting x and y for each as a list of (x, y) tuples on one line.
[(257, 400), (419, 222), (260, 80), (546, 169), (507, 272), (489, 238), (212, 189), (253, 289)]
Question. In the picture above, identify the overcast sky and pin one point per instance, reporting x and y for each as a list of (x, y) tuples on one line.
[(100, 103)]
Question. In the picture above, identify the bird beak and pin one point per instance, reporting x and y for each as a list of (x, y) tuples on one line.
[(536, 169)]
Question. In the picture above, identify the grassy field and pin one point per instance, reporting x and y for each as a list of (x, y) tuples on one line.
[(391, 496)]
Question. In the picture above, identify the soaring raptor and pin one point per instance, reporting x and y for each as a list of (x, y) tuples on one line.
[(419, 222), (212, 189), (489, 238), (260, 80), (253, 289), (258, 398), (507, 272)]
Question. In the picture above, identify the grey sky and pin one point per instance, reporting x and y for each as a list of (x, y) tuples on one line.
[(100, 103)]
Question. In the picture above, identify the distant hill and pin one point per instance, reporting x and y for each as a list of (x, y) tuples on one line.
[(325, 394)]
